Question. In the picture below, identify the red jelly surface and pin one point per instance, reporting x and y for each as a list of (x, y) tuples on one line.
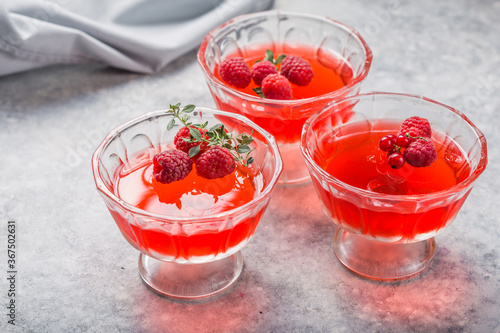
[(285, 124), (356, 160), (191, 197)]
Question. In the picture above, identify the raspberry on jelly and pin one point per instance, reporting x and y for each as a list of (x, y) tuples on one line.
[(420, 153), (235, 72), (297, 70), (216, 162), (261, 69), (185, 146), (415, 127), (276, 86), (171, 165)]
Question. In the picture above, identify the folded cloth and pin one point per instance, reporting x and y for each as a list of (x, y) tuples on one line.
[(136, 35)]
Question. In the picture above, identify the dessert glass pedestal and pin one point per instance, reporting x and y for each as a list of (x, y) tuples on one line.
[(386, 230), (185, 256)]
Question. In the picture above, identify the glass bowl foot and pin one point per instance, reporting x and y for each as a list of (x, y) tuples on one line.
[(381, 260), (294, 167), (190, 280)]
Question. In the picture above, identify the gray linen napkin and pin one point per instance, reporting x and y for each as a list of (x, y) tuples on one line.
[(136, 35)]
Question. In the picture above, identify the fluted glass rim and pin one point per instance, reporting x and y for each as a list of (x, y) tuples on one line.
[(458, 188), (115, 132), (264, 14)]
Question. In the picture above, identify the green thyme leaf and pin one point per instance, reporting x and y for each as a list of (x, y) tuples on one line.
[(171, 124), (195, 134), (269, 56), (215, 127), (280, 59), (258, 91), (243, 149), (245, 140), (193, 151), (174, 107), (188, 108)]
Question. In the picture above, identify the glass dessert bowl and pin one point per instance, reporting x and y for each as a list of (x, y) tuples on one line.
[(189, 232), (339, 58), (387, 218)]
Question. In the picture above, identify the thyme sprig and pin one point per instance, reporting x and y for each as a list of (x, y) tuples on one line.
[(238, 145), (270, 57)]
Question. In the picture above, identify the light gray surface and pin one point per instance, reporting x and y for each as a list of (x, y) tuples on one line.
[(76, 272)]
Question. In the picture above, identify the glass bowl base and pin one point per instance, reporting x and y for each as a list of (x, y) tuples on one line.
[(294, 167), (190, 280), (381, 260)]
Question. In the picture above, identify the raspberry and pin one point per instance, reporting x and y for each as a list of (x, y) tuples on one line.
[(420, 153), (262, 69), (216, 162), (415, 127), (235, 72), (276, 86), (297, 70), (186, 146), (171, 165)]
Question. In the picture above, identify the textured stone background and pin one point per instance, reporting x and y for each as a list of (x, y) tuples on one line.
[(77, 273)]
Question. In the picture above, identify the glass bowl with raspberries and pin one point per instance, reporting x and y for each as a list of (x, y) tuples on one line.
[(278, 68), (187, 187), (391, 171)]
